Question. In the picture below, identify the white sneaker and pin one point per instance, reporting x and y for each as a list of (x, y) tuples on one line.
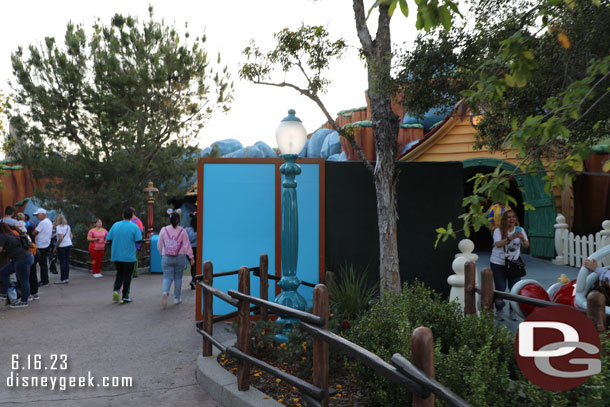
[(98, 275), (177, 301)]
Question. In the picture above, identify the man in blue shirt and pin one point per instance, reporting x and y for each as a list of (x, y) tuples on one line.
[(123, 236)]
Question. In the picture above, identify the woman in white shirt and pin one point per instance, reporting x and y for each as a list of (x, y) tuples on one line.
[(63, 247), (508, 239)]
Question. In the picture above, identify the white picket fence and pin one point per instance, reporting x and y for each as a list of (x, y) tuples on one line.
[(573, 250)]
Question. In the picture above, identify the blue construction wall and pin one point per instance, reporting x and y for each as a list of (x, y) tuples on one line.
[(239, 223)]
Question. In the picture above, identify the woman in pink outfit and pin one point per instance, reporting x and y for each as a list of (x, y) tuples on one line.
[(97, 246), (174, 246)]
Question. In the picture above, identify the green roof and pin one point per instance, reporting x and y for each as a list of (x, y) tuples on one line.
[(364, 123)]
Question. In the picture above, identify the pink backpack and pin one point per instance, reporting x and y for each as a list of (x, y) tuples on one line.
[(171, 247)]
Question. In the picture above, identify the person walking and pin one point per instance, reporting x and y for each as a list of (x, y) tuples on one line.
[(63, 247), (29, 228), (20, 261), (97, 245), (508, 239), (123, 237), (42, 237), (192, 234), (134, 219), (174, 246)]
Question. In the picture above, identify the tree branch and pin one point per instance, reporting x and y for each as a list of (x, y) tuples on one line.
[(363, 32), (331, 121)]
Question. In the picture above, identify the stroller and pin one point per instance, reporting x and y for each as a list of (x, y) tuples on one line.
[(53, 256)]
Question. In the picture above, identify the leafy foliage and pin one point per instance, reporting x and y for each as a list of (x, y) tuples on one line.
[(308, 50), (536, 74), (349, 295), (474, 357), (100, 116)]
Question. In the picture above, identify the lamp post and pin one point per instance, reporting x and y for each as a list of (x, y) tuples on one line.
[(151, 193), (291, 137)]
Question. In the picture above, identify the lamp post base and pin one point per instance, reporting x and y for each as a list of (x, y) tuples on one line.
[(290, 299)]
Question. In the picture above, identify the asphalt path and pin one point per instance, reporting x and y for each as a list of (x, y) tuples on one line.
[(77, 326), (543, 271)]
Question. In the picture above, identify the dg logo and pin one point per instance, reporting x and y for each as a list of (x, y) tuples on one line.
[(557, 348)]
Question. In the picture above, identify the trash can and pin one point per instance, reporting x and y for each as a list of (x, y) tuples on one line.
[(155, 256)]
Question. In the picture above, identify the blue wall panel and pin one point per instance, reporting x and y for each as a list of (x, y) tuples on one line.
[(238, 222)]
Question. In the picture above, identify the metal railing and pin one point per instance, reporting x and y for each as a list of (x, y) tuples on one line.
[(596, 301)]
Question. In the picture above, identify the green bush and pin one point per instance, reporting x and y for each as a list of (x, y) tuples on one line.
[(349, 296), (595, 392), (387, 328), (474, 357), (480, 363)]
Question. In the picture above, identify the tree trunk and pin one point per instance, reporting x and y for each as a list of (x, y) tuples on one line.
[(385, 128), (378, 53)]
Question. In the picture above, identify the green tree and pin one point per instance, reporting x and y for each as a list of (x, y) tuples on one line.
[(309, 52), (101, 116), (537, 71)]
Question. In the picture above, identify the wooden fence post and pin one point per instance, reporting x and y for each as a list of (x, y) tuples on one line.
[(487, 290), (243, 330), (596, 310), (320, 347), (208, 311), (329, 278), (264, 283), (470, 302), (422, 356)]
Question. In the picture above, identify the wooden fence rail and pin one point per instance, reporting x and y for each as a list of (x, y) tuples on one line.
[(595, 300), (416, 377)]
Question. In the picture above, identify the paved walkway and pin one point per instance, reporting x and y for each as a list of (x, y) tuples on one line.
[(543, 271), (157, 348)]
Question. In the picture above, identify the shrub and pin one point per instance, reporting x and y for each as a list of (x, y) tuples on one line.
[(480, 363), (349, 296), (387, 328), (466, 348)]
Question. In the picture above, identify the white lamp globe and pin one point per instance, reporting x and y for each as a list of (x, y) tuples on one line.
[(290, 134)]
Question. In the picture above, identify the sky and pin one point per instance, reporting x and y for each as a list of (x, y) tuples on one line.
[(229, 25)]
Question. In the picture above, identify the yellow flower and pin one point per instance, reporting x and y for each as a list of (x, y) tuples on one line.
[(339, 386), (304, 345), (296, 400), (262, 333), (278, 380), (283, 346)]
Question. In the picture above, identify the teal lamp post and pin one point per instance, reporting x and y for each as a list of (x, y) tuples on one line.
[(291, 137)]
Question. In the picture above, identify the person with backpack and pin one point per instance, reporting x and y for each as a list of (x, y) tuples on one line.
[(191, 231), (174, 246), (21, 260)]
